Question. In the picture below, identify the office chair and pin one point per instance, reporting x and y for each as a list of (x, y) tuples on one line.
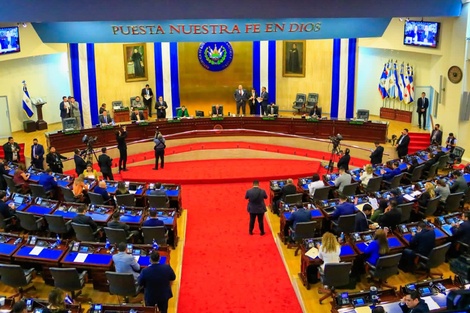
[(68, 194), (126, 200), (116, 236), (387, 266), (159, 233), (374, 184), (312, 100), (68, 279), (346, 224), (299, 103), (321, 193), (96, 198), (455, 157), (452, 203), (466, 198), (57, 225), (293, 198), (29, 222), (157, 201), (350, 189), (432, 171), (14, 276), (84, 232), (442, 163), (11, 184), (332, 276), (416, 174), (122, 284), (395, 182), (435, 259), (406, 209), (5, 222), (302, 230), (38, 191), (431, 206)]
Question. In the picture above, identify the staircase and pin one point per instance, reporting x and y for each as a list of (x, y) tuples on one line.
[(418, 141)]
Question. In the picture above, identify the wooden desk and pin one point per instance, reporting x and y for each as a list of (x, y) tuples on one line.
[(68, 211), (121, 116), (361, 239), (316, 214), (125, 308), (173, 192), (169, 216), (9, 246), (368, 132), (404, 233)]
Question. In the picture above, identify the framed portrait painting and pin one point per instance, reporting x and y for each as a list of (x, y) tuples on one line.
[(135, 62), (293, 58)]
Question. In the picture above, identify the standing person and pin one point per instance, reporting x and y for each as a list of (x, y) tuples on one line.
[(4, 170), (344, 160), (37, 155), (80, 164), (451, 142), (252, 102), (147, 95), (12, 151), (64, 107), (54, 160), (377, 154), (436, 135), (423, 104), (402, 144), (159, 149), (263, 100), (156, 280), (75, 111), (240, 96), (124, 262), (256, 206), (161, 107), (122, 146), (105, 163)]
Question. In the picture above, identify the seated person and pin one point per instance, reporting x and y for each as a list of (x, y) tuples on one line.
[(315, 112), (137, 102), (442, 189), (427, 195), (105, 119), (102, 190), (461, 232), (391, 217), (21, 178), (159, 191), (316, 183), (422, 242), (390, 175), (80, 190), (137, 116), (90, 172), (182, 112), (396, 195), (343, 208), (460, 184), (83, 219), (56, 301), (124, 262), (6, 210), (409, 171), (412, 303), (299, 216), (122, 189), (329, 249), (153, 219), (48, 181), (288, 189), (433, 158), (377, 248), (344, 160), (217, 110), (117, 224), (362, 218), (272, 110), (383, 204), (343, 179), (366, 175)]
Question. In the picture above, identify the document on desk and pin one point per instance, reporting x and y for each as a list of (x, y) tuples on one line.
[(362, 309), (36, 250), (431, 303), (80, 258), (409, 198), (312, 253), (374, 203)]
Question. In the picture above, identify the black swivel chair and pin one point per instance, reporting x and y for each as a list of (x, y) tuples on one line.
[(312, 100), (122, 284), (68, 279), (68, 194), (96, 198), (321, 193), (395, 182), (432, 171), (442, 163), (5, 223), (387, 266), (435, 259), (416, 174), (126, 200), (293, 198), (29, 222), (302, 230), (431, 206), (159, 233), (374, 184), (334, 275), (14, 276), (11, 184), (84, 232), (346, 224), (57, 225), (455, 157), (157, 201), (115, 236), (39, 191), (406, 209), (300, 102), (452, 203), (350, 189)]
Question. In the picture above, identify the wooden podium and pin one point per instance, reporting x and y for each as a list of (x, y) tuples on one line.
[(40, 123)]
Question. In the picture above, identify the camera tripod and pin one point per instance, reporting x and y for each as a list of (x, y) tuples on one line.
[(88, 153), (331, 163)]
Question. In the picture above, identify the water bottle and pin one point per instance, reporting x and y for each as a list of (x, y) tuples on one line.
[(107, 244), (57, 240), (342, 237), (154, 245)]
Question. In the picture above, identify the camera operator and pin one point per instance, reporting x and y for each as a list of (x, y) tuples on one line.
[(159, 149), (121, 135), (80, 164), (54, 160), (105, 163)]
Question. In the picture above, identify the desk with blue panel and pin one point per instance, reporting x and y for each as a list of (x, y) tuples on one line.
[(173, 192), (100, 214), (445, 222), (9, 244), (361, 241), (132, 216), (168, 216), (41, 206), (347, 254), (21, 201), (405, 232), (275, 189), (286, 212)]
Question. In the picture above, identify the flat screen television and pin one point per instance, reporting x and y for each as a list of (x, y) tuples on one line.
[(421, 34), (9, 40)]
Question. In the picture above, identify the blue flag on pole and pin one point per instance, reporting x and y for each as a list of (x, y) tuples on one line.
[(27, 101), (383, 80)]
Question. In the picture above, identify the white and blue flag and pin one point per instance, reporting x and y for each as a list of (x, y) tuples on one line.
[(27, 105)]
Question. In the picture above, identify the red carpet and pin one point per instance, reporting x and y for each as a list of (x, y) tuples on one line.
[(224, 268), (418, 141), (225, 170)]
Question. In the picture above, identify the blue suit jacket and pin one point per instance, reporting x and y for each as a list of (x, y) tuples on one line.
[(47, 181), (345, 208), (39, 151), (423, 242), (462, 233), (389, 176), (299, 216), (156, 280)]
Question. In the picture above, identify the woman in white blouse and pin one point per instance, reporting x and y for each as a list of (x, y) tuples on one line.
[(329, 249), (366, 175), (315, 184)]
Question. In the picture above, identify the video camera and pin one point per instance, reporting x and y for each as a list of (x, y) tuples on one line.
[(335, 140), (89, 140)]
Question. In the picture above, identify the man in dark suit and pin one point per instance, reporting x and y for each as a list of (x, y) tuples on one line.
[(161, 107), (422, 242), (460, 184), (315, 112), (423, 104), (436, 135), (103, 191), (252, 101), (217, 110), (412, 303), (64, 108), (402, 143), (80, 164), (12, 151), (153, 219), (54, 160), (362, 218), (137, 116), (121, 136), (6, 210), (391, 217), (344, 160), (461, 231), (241, 96), (83, 219), (301, 215), (156, 280), (263, 99), (4, 170), (37, 155), (256, 206), (105, 119), (377, 154), (105, 164), (147, 96)]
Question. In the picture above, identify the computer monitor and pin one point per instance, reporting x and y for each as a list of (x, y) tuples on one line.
[(363, 115), (70, 123), (199, 113)]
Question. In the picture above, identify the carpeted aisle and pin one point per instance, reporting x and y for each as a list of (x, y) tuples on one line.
[(224, 268)]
